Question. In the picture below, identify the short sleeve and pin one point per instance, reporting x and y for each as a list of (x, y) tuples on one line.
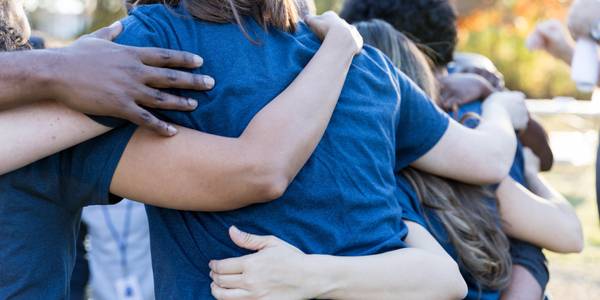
[(421, 124), (531, 258), (409, 202), (88, 168)]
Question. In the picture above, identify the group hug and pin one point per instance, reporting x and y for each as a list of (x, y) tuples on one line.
[(280, 155)]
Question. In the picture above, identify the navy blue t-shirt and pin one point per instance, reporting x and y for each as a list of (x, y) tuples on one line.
[(414, 211), (523, 253), (40, 210), (345, 199)]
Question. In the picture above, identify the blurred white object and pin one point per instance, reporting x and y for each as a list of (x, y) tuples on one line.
[(584, 68)]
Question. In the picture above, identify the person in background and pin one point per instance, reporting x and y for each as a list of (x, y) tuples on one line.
[(119, 247), (432, 24), (553, 37)]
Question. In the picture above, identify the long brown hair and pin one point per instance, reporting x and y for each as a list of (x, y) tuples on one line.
[(281, 14), (472, 226)]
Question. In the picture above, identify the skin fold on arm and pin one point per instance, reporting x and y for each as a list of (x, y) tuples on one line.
[(218, 173)]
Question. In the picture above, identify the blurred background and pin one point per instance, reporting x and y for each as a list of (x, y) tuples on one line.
[(497, 29)]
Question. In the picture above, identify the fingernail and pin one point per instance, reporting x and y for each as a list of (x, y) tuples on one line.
[(211, 264), (209, 82), (192, 103), (198, 61), (172, 130)]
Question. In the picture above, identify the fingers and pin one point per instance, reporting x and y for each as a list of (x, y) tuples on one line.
[(227, 266), (168, 78), (144, 118), (228, 294), (228, 281), (249, 241), (108, 33), (154, 98), (166, 58)]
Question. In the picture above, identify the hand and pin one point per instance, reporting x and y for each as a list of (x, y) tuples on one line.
[(552, 37), (583, 18), (271, 273), (514, 104), (330, 23), (532, 162), (98, 77), (461, 88), (495, 78)]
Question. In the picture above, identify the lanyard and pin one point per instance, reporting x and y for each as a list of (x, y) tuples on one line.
[(121, 239)]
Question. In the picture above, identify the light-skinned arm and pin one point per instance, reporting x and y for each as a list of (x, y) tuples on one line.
[(541, 216), (280, 271), (482, 155)]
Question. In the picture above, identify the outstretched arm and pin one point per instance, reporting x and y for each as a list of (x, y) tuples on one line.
[(217, 173), (280, 271), (98, 77), (482, 155), (541, 216)]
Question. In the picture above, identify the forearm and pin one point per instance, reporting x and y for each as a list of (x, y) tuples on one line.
[(285, 133), (432, 276), (546, 220), (25, 77), (35, 131), (220, 173)]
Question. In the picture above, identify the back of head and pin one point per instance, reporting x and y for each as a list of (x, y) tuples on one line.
[(281, 14), (431, 23)]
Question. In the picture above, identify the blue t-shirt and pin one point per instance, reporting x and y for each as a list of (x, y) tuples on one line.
[(412, 210), (525, 254), (40, 210), (345, 199)]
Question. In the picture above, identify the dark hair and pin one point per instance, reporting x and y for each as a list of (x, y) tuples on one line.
[(473, 227), (431, 23), (11, 39), (281, 14)]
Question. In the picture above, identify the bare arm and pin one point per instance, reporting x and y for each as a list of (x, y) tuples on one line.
[(482, 155), (98, 77), (217, 173), (546, 219), (541, 216), (278, 270)]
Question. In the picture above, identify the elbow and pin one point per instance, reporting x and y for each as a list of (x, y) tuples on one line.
[(573, 239), (451, 284), (270, 180), (457, 286)]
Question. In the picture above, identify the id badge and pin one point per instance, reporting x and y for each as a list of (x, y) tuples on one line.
[(128, 288)]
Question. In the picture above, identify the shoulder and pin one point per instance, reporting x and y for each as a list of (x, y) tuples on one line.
[(151, 26)]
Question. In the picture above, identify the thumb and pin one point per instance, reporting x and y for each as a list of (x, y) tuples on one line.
[(250, 241), (108, 33)]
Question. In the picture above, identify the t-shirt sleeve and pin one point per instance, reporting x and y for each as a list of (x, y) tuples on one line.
[(421, 124), (531, 258), (88, 168), (409, 202)]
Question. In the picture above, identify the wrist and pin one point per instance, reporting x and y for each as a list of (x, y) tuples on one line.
[(321, 279), (50, 76), (343, 39)]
